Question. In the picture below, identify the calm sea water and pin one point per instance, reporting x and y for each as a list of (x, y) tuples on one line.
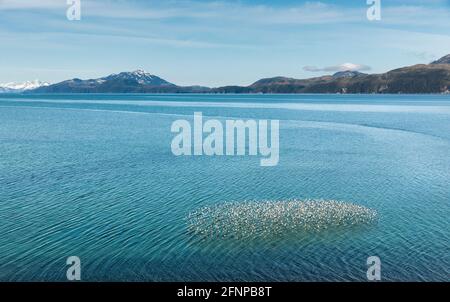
[(94, 176)]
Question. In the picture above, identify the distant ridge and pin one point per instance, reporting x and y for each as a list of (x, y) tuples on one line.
[(430, 78), (433, 78), (443, 60)]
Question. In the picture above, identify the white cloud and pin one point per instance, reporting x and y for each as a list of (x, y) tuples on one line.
[(417, 12), (306, 13), (31, 4), (336, 68)]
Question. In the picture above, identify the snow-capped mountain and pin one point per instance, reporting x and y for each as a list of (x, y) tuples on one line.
[(20, 87), (139, 77), (137, 81), (348, 74)]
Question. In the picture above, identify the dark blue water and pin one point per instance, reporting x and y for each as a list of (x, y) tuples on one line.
[(94, 176)]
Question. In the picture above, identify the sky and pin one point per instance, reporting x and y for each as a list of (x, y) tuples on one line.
[(217, 43)]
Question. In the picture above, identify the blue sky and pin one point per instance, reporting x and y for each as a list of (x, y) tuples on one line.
[(216, 43)]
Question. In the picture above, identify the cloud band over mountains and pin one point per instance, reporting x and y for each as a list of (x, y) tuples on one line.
[(337, 68)]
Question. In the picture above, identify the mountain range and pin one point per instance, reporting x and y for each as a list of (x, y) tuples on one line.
[(21, 87), (417, 79)]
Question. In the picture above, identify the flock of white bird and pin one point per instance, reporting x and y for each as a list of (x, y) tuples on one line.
[(268, 218)]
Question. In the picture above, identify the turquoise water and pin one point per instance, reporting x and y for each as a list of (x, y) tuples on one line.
[(94, 176)]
